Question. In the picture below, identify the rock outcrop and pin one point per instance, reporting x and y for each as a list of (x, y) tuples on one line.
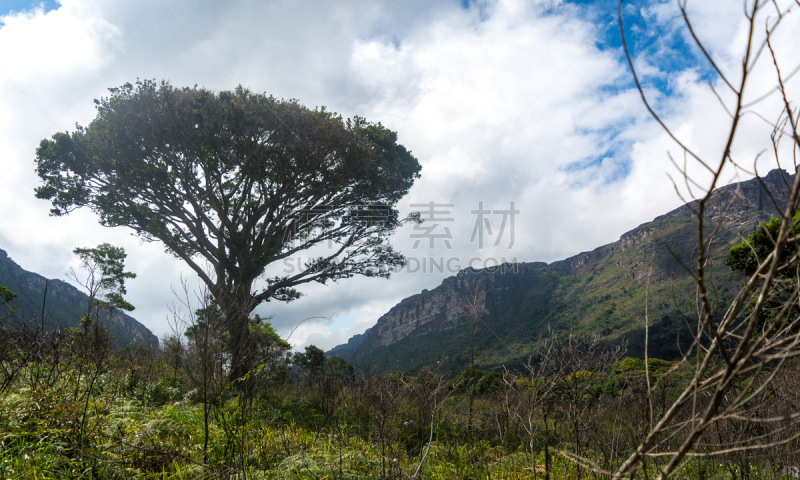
[(602, 289)]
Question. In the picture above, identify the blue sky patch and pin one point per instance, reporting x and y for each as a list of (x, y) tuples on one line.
[(23, 5), (662, 44), (483, 14)]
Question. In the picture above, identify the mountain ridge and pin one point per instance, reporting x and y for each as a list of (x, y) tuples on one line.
[(64, 304), (601, 290)]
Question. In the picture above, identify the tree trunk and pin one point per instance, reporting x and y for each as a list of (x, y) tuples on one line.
[(241, 360), (237, 307)]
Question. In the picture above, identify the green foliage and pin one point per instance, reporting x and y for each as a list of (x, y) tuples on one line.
[(747, 256), (105, 269), (629, 365), (265, 338), (311, 361), (339, 368), (479, 381), (629, 371), (264, 341), (6, 295), (207, 317)]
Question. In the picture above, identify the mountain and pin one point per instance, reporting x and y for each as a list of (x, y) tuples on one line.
[(65, 305), (603, 290)]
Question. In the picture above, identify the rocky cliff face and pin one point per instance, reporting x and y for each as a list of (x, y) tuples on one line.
[(601, 289), (437, 310), (65, 305), (434, 311)]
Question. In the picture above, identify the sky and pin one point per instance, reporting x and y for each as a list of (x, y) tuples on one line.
[(522, 110)]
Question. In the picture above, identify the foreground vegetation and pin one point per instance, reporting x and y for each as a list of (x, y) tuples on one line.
[(73, 408)]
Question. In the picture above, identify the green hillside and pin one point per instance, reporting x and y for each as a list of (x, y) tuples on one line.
[(603, 290), (64, 305)]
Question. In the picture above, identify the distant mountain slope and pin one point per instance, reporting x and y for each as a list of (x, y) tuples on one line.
[(602, 290), (65, 305)]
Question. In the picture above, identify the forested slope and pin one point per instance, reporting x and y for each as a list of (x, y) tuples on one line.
[(603, 290), (64, 304)]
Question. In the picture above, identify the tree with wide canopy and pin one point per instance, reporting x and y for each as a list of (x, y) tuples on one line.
[(232, 182)]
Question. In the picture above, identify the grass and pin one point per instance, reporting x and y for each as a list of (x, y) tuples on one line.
[(113, 421), (46, 434)]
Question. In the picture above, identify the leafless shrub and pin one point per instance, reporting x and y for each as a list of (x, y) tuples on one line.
[(475, 307), (383, 395), (429, 391), (558, 384), (730, 407), (202, 356)]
